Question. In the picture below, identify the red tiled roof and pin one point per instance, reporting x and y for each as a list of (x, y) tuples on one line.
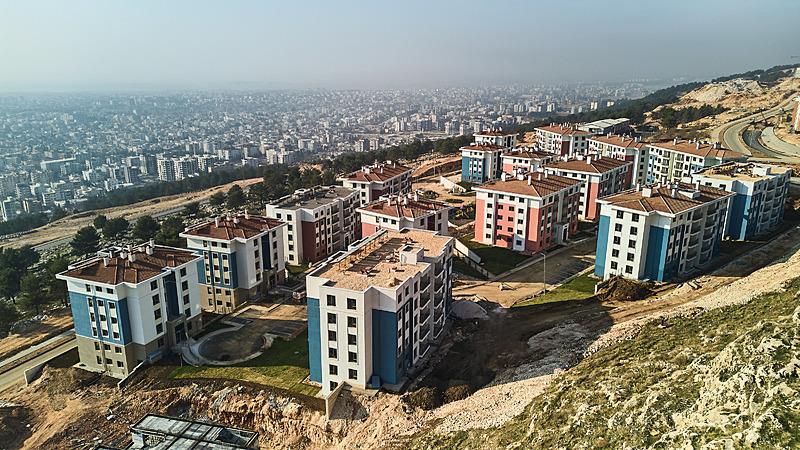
[(410, 209), (483, 147), (697, 149), (234, 227), (122, 270), (540, 185), (620, 141), (564, 131), (661, 199), (494, 133), (597, 165), (381, 172), (527, 154)]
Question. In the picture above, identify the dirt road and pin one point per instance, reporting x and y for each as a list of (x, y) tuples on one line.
[(68, 226)]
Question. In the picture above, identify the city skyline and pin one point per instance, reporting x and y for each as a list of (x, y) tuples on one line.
[(199, 45)]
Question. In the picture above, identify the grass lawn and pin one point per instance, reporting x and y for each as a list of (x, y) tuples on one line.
[(462, 267), (294, 270), (578, 289), (284, 365), (494, 259)]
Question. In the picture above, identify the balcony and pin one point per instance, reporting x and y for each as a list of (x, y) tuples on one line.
[(438, 269), (696, 227), (424, 301), (424, 284), (438, 286), (693, 242), (423, 319)]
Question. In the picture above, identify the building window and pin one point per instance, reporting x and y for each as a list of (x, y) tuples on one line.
[(155, 300), (351, 322), (614, 253), (352, 374), (88, 289), (186, 299), (351, 339), (153, 285), (160, 342), (620, 214), (112, 305), (333, 369), (332, 353), (97, 346), (157, 314), (120, 364), (351, 303), (634, 231), (185, 286), (617, 240), (332, 385), (159, 328), (331, 318), (614, 265), (628, 269), (331, 301), (631, 244), (331, 335), (352, 357), (630, 256)]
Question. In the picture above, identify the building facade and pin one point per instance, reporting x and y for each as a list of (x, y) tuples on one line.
[(480, 163), (375, 310), (660, 232), (676, 159), (529, 213), (624, 148), (600, 177), (320, 221), (374, 181), (523, 160), (563, 140), (496, 137), (132, 305), (242, 259), (407, 211), (760, 196)]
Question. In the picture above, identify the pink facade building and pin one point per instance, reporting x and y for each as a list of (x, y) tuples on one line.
[(372, 182), (527, 213), (524, 160), (599, 178), (404, 211)]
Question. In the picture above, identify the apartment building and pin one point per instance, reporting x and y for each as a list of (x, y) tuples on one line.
[(676, 159), (600, 177), (320, 221), (375, 310), (242, 259), (496, 137), (480, 162), (624, 148), (760, 195), (132, 305), (404, 211), (796, 115), (372, 182), (563, 140), (524, 160), (661, 231), (527, 213)]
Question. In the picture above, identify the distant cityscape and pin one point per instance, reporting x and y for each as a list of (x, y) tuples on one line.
[(59, 150)]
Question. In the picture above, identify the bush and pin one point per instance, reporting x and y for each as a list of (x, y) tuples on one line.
[(426, 398), (455, 393)]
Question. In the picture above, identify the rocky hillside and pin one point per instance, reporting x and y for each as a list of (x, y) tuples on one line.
[(726, 378)]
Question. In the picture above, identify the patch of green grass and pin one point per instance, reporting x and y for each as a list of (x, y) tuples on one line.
[(297, 269), (578, 288), (462, 267), (284, 366), (496, 260)]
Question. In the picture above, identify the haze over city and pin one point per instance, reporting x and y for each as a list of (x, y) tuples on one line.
[(100, 45)]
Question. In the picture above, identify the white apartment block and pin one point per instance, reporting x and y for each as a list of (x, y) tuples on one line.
[(132, 305), (674, 160), (563, 140), (624, 148), (374, 181), (242, 259), (375, 310), (660, 232), (760, 196), (600, 177), (320, 222), (404, 211), (496, 137), (524, 160)]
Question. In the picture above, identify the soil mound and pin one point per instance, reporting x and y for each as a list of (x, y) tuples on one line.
[(624, 290)]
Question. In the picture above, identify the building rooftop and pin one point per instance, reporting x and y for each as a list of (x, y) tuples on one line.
[(378, 260), (564, 130), (743, 171), (242, 226), (526, 153), (669, 199), (378, 172), (409, 206), (129, 265), (313, 198), (703, 149), (494, 133), (590, 164), (533, 185), (619, 140), (172, 433), (483, 147)]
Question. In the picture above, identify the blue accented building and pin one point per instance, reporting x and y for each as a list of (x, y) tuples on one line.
[(660, 232), (760, 195), (375, 310), (132, 305), (242, 259), (481, 163)]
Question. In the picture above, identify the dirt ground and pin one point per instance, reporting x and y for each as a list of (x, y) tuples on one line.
[(432, 184), (56, 322), (70, 225), (529, 281)]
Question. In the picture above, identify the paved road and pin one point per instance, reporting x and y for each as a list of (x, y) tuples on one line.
[(730, 134), (37, 347), (16, 375), (775, 143)]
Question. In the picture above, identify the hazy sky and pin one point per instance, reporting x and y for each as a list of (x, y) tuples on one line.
[(110, 44)]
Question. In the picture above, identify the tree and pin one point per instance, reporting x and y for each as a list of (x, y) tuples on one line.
[(100, 221), (8, 315), (191, 209), (328, 178), (57, 289), (32, 293), (86, 241), (145, 228), (57, 213), (217, 199), (236, 197), (26, 256), (9, 283), (115, 227), (170, 229)]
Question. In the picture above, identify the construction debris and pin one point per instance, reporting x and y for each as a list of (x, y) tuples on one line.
[(620, 289)]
